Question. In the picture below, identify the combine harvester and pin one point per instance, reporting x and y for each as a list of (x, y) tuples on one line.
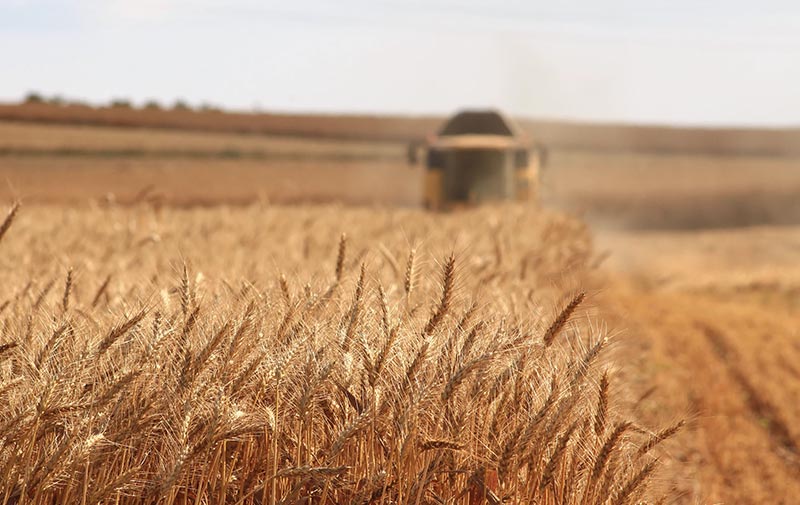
[(478, 156)]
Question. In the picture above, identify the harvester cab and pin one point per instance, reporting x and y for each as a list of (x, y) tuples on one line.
[(477, 157)]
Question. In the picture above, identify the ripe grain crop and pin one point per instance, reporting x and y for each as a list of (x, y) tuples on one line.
[(260, 355)]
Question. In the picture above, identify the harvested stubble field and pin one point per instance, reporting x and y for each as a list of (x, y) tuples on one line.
[(710, 323), (257, 355)]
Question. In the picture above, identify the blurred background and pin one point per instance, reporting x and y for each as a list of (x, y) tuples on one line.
[(652, 115)]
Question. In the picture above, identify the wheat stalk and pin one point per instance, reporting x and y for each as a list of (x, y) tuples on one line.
[(630, 487), (601, 412), (67, 291), (340, 257), (558, 323), (448, 281), (659, 437), (12, 213), (408, 280)]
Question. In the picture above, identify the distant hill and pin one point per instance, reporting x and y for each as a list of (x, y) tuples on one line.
[(554, 134)]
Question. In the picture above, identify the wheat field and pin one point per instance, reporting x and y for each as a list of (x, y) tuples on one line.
[(174, 332), (311, 354)]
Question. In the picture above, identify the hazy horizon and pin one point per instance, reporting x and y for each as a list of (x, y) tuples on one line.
[(673, 63)]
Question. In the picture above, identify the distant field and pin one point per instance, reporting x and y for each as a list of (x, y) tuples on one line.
[(675, 190), (57, 163), (311, 125), (189, 181), (733, 262), (76, 140), (554, 134), (45, 162)]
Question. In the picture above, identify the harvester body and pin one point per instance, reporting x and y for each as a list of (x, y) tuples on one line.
[(477, 157)]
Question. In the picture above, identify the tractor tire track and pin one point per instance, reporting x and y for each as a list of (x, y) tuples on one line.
[(762, 409)]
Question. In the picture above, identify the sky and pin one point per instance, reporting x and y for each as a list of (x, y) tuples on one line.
[(681, 62)]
